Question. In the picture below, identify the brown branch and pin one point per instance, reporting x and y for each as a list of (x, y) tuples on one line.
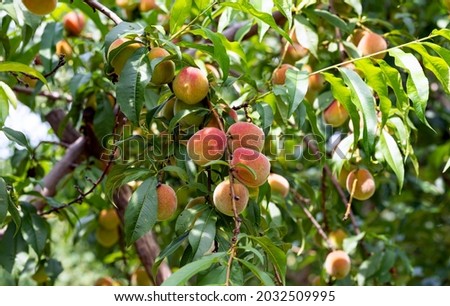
[(55, 118), (104, 10), (47, 94), (61, 62)]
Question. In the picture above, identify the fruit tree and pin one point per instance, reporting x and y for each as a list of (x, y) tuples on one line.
[(225, 142)]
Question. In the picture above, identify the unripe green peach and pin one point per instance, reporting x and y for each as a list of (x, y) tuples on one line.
[(223, 201), (364, 184), (337, 264), (164, 72), (168, 109), (120, 59), (147, 5), (167, 202), (254, 160), (106, 238), (278, 184), (206, 145), (191, 85), (42, 7), (108, 219), (371, 43), (279, 74), (74, 23), (127, 4), (336, 238), (246, 135), (190, 120), (335, 114)]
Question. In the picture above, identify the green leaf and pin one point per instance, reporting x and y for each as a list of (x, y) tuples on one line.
[(447, 166), (120, 30), (339, 156), (169, 250), (15, 215), (438, 66), (356, 4), (264, 7), (285, 8), (265, 279), (10, 244), (417, 83), (17, 136), (35, 229), (351, 243), (363, 98), (392, 155), (202, 235), (11, 97), (4, 200), (394, 81), (178, 170), (202, 4), (141, 212), (375, 78), (131, 86), (187, 218), (19, 67), (334, 20), (274, 253), (265, 115), (4, 105), (181, 276), (369, 267), (179, 13), (297, 86), (306, 34), (120, 175)]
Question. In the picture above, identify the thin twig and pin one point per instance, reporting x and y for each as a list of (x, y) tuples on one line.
[(104, 10), (47, 94)]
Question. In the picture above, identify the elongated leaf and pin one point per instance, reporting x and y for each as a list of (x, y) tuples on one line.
[(265, 7), (35, 229), (306, 34), (393, 156), (340, 153), (202, 235), (131, 86), (19, 67), (369, 267), (363, 98), (179, 13), (187, 217), (297, 86), (447, 166), (417, 83), (285, 8), (265, 114), (442, 32), (9, 94), (121, 174), (261, 275), (9, 246), (334, 20), (351, 243), (438, 66), (17, 136), (202, 4), (274, 253), (394, 81), (356, 4), (376, 79), (181, 276), (120, 30), (4, 106), (169, 250), (4, 200), (141, 212)]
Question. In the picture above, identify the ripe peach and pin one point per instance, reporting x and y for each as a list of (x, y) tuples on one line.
[(108, 219), (364, 184), (335, 114), (337, 238), (279, 74), (371, 43), (193, 119), (337, 264), (191, 85), (167, 202), (42, 7), (120, 59), (74, 23), (106, 238), (206, 145), (106, 281), (164, 72), (342, 178), (294, 53), (246, 135), (63, 47), (140, 278), (223, 201), (127, 4), (278, 184), (254, 160), (147, 5)]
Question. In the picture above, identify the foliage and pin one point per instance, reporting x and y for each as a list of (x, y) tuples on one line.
[(399, 118)]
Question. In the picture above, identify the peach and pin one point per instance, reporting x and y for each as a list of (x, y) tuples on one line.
[(167, 109), (167, 202), (336, 238), (223, 201), (278, 184), (108, 219), (191, 85), (337, 264), (206, 145), (254, 160), (140, 278), (120, 59), (127, 4), (63, 47), (74, 23), (106, 281), (294, 53), (42, 7), (371, 43), (105, 237), (147, 5), (279, 74), (364, 184), (163, 72), (335, 114), (246, 135)]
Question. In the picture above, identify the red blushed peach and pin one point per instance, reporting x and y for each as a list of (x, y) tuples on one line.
[(372, 43), (243, 159), (74, 23), (206, 145), (335, 114), (278, 184), (247, 135), (364, 184), (190, 85), (223, 201), (167, 202), (147, 5), (279, 74), (120, 59), (337, 264)]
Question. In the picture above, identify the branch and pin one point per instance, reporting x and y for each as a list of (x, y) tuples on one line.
[(104, 10), (55, 118)]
